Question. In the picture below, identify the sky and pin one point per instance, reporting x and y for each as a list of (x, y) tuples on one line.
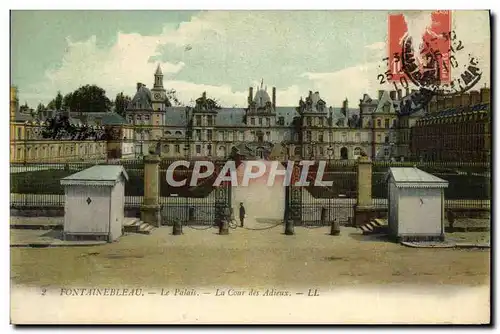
[(338, 53)]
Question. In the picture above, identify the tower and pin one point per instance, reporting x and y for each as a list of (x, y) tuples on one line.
[(158, 93)]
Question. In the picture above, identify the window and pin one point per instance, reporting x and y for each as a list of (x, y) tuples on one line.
[(242, 136), (357, 152), (386, 123), (260, 120), (177, 148), (344, 136), (281, 120), (379, 123), (268, 121), (198, 149), (198, 134), (209, 149), (166, 148), (358, 137), (198, 120), (309, 122), (308, 136), (209, 120), (209, 134), (320, 138), (393, 123), (386, 151), (139, 117), (252, 121), (18, 133), (386, 139), (321, 150), (268, 136)]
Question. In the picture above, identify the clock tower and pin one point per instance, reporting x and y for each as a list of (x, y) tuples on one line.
[(158, 93)]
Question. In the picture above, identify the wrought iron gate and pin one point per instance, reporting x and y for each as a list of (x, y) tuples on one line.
[(203, 204)]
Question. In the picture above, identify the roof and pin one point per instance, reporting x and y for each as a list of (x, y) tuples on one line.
[(158, 70), (261, 98), (142, 99), (457, 111), (96, 175), (176, 116), (412, 177)]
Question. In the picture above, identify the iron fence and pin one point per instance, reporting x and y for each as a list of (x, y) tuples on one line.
[(469, 183), (39, 184)]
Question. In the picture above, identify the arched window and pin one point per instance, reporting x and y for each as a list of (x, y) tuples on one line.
[(343, 153)]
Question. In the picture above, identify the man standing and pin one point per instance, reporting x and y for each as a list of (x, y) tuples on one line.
[(242, 214)]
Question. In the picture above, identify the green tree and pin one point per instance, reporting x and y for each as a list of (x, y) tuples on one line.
[(88, 98), (58, 101), (40, 108), (51, 105), (121, 103)]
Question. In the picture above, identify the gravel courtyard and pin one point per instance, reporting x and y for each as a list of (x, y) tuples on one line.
[(202, 258)]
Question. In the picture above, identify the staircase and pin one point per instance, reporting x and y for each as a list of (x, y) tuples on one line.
[(375, 226), (135, 225)]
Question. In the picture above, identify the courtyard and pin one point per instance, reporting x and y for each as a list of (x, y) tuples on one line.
[(261, 259)]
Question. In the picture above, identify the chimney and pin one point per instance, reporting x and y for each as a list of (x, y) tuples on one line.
[(274, 97), (474, 97), (139, 85), (465, 97), (457, 101), (380, 93), (250, 95), (345, 105), (485, 95), (400, 94), (392, 95)]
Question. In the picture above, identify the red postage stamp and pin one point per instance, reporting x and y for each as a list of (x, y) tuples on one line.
[(429, 34)]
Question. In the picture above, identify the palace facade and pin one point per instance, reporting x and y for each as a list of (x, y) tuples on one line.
[(456, 128), (387, 127)]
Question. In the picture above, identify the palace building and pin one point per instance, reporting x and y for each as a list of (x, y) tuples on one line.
[(387, 127), (456, 128)]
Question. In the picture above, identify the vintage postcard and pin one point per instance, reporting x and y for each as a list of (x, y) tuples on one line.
[(250, 167)]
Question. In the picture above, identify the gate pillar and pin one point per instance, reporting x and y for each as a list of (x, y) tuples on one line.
[(364, 210), (150, 208)]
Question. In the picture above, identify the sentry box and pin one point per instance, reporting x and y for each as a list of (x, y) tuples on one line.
[(416, 205), (94, 203)]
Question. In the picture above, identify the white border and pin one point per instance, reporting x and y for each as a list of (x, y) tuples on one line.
[(193, 5)]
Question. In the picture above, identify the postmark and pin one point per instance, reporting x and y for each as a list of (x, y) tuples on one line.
[(428, 61)]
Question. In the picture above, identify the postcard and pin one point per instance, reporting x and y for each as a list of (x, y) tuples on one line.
[(250, 167)]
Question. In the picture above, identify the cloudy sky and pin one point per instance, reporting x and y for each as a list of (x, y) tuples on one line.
[(338, 53)]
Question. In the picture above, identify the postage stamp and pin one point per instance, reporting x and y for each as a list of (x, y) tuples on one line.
[(155, 178)]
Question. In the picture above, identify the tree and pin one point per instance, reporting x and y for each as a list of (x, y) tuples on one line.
[(60, 127), (88, 98), (40, 108), (58, 101), (172, 97), (51, 105), (121, 103)]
